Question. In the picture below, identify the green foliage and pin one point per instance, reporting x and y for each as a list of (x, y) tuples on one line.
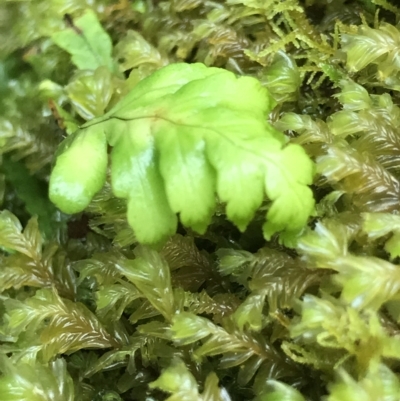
[(28, 262), (281, 392), (36, 382), (378, 225), (199, 126), (32, 191), (180, 382), (63, 325), (196, 127), (379, 382), (88, 154), (151, 276), (89, 45)]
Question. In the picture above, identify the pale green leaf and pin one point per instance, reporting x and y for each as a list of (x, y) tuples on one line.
[(136, 177), (186, 134), (87, 42), (90, 92), (134, 51), (80, 171)]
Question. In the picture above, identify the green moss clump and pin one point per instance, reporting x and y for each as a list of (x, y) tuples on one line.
[(191, 270)]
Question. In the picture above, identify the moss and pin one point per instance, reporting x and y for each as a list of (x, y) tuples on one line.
[(89, 313)]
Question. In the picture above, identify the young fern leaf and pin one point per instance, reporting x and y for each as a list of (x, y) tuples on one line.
[(83, 154), (179, 136), (87, 42), (111, 300), (12, 237)]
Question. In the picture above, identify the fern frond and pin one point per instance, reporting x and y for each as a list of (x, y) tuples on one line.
[(381, 139), (372, 121), (310, 131), (143, 310), (90, 92), (210, 134), (133, 51), (87, 42), (180, 251), (100, 267), (190, 267), (109, 218), (282, 78)]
